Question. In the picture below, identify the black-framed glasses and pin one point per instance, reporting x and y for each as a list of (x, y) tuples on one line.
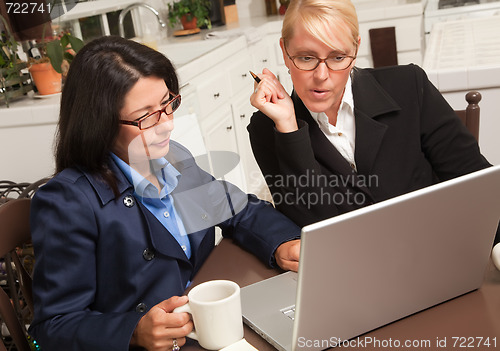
[(336, 62), (153, 118)]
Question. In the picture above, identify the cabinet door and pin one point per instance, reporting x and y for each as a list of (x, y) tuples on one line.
[(239, 73), (284, 78), (242, 112), (262, 56), (213, 92), (187, 130), (220, 138)]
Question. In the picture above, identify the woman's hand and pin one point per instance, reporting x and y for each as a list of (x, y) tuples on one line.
[(287, 255), (272, 99), (158, 328)]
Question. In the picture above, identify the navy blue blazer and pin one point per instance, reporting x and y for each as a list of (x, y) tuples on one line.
[(103, 261)]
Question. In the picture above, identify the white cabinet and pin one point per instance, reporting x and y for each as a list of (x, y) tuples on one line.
[(262, 56), (212, 119), (220, 138), (216, 88), (280, 70), (187, 130), (213, 92), (255, 182)]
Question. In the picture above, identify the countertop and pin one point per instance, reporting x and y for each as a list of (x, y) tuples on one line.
[(184, 52), (463, 54), (369, 10)]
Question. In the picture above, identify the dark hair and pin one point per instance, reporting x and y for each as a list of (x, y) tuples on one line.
[(100, 76)]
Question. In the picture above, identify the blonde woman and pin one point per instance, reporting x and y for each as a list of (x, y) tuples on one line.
[(348, 137)]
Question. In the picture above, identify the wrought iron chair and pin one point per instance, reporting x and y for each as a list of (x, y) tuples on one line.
[(14, 233), (10, 190)]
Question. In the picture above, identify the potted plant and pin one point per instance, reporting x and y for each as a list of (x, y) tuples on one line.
[(13, 82), (55, 57), (190, 13), (283, 6)]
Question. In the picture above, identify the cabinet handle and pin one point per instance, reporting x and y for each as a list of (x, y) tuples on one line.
[(216, 95), (229, 128), (242, 116), (264, 60), (244, 75)]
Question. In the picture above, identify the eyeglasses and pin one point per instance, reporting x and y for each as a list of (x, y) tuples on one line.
[(153, 118), (337, 62)]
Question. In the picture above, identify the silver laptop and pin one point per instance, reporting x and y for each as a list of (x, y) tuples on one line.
[(367, 268)]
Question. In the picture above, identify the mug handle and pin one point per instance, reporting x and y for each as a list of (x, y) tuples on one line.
[(187, 309)]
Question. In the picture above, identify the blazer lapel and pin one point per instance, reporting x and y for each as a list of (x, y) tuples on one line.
[(326, 154), (370, 101), (161, 239)]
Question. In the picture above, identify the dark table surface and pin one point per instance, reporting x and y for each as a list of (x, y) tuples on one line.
[(461, 323)]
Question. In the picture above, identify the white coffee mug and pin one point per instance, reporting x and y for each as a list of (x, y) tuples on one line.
[(215, 307)]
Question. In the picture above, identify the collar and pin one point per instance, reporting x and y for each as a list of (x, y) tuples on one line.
[(369, 97), (178, 156), (347, 102), (166, 173)]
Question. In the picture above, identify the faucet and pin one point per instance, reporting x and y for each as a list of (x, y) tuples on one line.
[(123, 12)]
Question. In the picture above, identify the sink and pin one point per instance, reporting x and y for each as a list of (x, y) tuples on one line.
[(182, 52)]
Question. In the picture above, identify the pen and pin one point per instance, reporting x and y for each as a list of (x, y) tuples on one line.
[(257, 79)]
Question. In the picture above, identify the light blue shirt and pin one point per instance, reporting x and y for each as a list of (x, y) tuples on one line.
[(161, 204)]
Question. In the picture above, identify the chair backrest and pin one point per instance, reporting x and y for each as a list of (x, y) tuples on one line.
[(470, 116), (31, 189), (14, 232), (10, 190), (383, 46)]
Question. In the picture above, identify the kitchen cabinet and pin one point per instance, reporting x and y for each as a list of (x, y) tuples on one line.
[(261, 56), (255, 182), (215, 90), (215, 110), (27, 132), (281, 71), (220, 140)]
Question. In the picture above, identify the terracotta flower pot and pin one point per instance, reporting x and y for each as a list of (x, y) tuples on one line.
[(46, 79), (282, 9), (188, 24)]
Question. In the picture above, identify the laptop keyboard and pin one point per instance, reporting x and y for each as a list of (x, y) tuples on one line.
[(289, 312)]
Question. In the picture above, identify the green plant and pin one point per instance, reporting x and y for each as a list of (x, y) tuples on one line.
[(8, 49), (59, 49), (190, 8), (63, 48), (14, 83)]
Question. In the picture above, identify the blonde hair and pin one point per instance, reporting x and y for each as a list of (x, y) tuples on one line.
[(339, 16)]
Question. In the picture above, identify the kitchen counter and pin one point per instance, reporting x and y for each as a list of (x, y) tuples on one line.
[(28, 126), (253, 41), (184, 52), (369, 10), (461, 56)]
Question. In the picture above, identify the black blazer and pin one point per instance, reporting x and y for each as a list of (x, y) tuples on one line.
[(407, 137)]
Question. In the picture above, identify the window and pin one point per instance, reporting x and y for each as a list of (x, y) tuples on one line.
[(91, 19)]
